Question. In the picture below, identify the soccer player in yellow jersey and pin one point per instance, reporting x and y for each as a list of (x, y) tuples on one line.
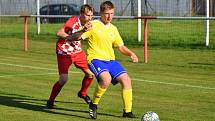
[(100, 55)]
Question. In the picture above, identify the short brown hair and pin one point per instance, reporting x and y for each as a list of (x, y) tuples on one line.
[(106, 6), (86, 7)]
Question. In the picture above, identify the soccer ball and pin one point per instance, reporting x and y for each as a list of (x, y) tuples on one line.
[(150, 116)]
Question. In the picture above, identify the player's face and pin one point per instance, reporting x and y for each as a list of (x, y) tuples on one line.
[(107, 16), (86, 17)]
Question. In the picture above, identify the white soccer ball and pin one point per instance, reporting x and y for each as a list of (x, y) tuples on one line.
[(150, 116)]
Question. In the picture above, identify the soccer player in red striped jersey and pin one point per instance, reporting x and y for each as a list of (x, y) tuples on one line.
[(70, 52)]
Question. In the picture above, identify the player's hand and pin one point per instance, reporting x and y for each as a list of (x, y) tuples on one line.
[(134, 58), (87, 26), (69, 38)]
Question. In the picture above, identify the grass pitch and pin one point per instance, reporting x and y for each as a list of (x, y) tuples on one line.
[(177, 84)]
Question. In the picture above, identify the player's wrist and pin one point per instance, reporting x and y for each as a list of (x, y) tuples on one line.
[(69, 37), (131, 54), (84, 29)]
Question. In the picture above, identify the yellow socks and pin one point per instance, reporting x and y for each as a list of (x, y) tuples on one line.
[(98, 94), (127, 99), (126, 95)]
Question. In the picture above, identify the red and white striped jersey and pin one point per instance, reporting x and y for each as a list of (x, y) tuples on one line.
[(65, 47)]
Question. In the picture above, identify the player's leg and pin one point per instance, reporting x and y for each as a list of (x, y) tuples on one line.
[(100, 70), (120, 75), (63, 65), (86, 82), (104, 81), (125, 81), (80, 62)]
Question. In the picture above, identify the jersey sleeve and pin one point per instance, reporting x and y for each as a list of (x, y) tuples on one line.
[(68, 24), (118, 40)]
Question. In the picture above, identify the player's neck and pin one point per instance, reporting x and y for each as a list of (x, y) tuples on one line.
[(105, 23)]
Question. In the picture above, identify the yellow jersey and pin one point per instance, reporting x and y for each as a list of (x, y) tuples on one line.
[(101, 39)]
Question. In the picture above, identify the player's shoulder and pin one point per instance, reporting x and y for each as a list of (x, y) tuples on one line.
[(96, 24), (96, 21), (113, 26), (73, 18)]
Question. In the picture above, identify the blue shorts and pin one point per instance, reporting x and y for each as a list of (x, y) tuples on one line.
[(112, 66)]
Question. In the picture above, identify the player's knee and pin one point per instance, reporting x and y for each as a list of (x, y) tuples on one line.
[(62, 82), (91, 76), (88, 73), (126, 85), (104, 84), (63, 79), (125, 78), (125, 81)]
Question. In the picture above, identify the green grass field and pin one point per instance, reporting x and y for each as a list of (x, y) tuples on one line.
[(177, 83)]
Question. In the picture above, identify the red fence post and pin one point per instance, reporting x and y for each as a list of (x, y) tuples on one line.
[(145, 41), (25, 33), (211, 8), (145, 34)]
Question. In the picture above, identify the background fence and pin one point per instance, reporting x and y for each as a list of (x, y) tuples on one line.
[(165, 33), (124, 7)]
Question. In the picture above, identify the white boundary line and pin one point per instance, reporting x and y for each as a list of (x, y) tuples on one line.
[(2, 58), (24, 66), (174, 84), (135, 79), (15, 75)]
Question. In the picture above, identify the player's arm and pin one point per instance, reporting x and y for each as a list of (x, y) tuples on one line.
[(78, 35), (61, 33), (124, 50), (75, 36)]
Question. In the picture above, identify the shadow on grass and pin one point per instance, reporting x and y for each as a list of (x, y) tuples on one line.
[(202, 64), (29, 103)]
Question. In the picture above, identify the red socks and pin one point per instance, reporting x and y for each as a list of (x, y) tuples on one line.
[(57, 88), (55, 91), (85, 85)]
